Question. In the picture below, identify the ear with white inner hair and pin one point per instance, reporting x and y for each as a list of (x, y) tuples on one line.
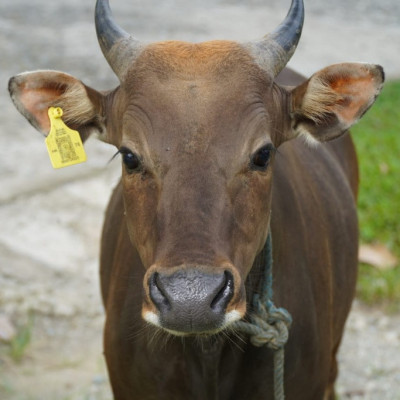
[(332, 100), (34, 92)]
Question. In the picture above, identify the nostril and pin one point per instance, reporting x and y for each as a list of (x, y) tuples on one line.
[(157, 293), (224, 295)]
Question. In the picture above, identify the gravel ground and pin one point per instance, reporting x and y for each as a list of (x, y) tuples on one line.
[(51, 220)]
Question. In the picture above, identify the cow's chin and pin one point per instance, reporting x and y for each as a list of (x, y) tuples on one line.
[(230, 317)]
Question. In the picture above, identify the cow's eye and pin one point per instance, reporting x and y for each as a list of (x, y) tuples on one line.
[(261, 158), (131, 160)]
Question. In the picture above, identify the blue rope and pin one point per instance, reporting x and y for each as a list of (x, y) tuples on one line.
[(269, 325)]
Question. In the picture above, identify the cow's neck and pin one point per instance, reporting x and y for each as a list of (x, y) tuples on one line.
[(209, 353)]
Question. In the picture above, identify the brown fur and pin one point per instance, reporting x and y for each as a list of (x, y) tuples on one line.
[(190, 59)]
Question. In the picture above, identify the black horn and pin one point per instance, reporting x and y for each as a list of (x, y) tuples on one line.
[(275, 49), (119, 48)]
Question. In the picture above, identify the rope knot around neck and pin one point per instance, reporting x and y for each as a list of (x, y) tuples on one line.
[(269, 327)]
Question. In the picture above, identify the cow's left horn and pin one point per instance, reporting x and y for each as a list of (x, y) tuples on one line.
[(274, 50), (119, 48)]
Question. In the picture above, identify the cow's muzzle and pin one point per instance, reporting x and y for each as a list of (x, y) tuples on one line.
[(191, 301)]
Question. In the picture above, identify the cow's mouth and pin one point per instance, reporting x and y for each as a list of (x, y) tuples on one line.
[(188, 330)]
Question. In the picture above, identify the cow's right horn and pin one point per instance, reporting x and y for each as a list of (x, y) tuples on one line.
[(119, 48), (274, 50)]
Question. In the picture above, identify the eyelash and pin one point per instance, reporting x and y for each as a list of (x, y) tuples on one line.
[(131, 160)]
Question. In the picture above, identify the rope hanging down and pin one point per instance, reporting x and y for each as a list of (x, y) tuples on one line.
[(269, 325)]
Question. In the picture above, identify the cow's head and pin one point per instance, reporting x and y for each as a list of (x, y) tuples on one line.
[(197, 126)]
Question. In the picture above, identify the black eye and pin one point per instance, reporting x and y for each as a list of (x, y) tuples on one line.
[(262, 157), (131, 160)]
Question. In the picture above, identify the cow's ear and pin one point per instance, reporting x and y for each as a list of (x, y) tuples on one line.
[(34, 92), (334, 99)]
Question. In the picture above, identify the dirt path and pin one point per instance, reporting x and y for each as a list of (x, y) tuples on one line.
[(51, 220)]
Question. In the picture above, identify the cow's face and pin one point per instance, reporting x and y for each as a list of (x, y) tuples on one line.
[(197, 131), (197, 127)]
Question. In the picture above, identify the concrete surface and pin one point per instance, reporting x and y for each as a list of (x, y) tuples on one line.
[(51, 220)]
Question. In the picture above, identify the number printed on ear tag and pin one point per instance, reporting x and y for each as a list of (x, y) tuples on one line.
[(64, 145)]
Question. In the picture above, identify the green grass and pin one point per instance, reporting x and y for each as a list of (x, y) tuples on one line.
[(377, 139), (379, 287)]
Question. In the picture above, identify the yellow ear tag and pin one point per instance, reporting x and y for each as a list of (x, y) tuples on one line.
[(63, 144)]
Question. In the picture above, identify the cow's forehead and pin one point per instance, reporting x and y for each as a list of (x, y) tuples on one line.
[(214, 58), (195, 79)]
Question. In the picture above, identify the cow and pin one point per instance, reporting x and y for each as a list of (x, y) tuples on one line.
[(221, 147)]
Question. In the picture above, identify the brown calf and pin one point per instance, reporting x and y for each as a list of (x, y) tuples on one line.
[(198, 127)]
